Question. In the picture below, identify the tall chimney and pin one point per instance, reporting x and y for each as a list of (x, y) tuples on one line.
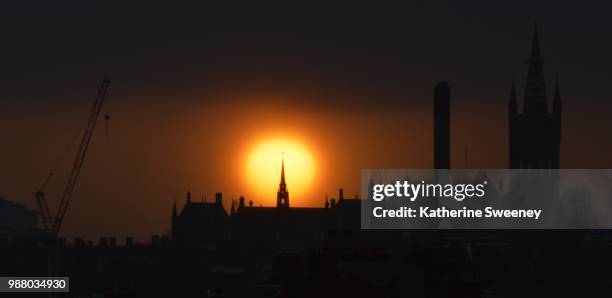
[(442, 126)]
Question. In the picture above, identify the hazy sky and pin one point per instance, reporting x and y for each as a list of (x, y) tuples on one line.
[(196, 87)]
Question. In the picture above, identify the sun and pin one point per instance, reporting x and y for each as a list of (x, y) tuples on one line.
[(263, 169)]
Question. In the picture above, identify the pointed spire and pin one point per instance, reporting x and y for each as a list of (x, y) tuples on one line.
[(535, 90), (535, 45), (282, 196), (282, 181), (326, 201), (557, 98), (233, 209)]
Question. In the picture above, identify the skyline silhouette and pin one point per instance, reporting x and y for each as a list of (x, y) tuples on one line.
[(526, 127), (226, 160), (189, 92)]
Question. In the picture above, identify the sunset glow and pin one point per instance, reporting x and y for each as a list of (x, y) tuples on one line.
[(263, 169)]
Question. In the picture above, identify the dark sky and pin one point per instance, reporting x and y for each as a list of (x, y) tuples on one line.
[(390, 49), (195, 85)]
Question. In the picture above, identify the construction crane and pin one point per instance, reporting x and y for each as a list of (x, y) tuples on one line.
[(53, 223)]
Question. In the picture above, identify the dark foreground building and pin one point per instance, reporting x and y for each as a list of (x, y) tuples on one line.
[(208, 224), (16, 220)]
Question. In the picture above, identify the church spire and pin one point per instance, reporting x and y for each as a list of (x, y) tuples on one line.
[(282, 196), (535, 46), (534, 134), (282, 180), (535, 90)]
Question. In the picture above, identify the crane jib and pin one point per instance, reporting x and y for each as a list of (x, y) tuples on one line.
[(51, 223)]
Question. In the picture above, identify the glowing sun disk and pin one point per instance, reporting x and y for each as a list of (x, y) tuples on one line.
[(263, 169)]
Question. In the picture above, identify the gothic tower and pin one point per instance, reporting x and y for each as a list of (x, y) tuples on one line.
[(282, 196), (535, 132)]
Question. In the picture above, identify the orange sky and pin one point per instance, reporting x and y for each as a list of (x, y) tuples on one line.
[(158, 149), (194, 88)]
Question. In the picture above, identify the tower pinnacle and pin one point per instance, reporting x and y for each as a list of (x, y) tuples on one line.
[(535, 132), (535, 46), (282, 180), (535, 89), (282, 196)]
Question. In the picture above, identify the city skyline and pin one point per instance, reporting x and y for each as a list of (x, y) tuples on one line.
[(319, 149), (180, 120)]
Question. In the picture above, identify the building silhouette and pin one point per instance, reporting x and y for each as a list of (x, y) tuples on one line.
[(209, 224), (16, 219), (199, 219), (535, 132)]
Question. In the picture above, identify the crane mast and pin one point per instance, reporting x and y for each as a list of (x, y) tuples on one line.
[(52, 223)]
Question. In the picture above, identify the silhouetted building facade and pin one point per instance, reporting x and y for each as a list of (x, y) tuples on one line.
[(16, 219), (200, 222), (283, 226), (535, 133)]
